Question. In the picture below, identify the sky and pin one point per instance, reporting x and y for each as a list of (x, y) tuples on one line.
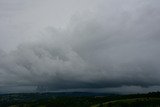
[(80, 45)]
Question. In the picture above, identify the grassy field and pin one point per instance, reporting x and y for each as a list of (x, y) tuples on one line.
[(136, 102)]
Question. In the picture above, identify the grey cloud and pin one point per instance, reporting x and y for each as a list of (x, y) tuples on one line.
[(115, 46)]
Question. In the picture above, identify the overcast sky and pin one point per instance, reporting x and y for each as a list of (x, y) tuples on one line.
[(83, 45)]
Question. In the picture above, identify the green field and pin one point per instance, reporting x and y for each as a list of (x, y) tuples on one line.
[(135, 102)]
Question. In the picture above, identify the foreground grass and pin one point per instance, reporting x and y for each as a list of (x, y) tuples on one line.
[(136, 102)]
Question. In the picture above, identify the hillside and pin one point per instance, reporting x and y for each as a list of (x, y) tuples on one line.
[(79, 99), (136, 102)]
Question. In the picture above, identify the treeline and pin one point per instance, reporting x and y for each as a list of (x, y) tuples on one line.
[(65, 99)]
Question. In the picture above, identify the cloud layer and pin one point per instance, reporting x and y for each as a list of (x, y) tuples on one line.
[(115, 45)]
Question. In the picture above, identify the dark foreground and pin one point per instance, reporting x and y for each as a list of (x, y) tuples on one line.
[(79, 99)]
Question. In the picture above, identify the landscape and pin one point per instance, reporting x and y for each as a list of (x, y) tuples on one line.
[(79, 53), (79, 99)]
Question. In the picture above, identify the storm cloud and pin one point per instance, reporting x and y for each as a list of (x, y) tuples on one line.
[(114, 45)]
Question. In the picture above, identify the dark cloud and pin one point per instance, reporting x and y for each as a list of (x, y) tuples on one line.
[(116, 45)]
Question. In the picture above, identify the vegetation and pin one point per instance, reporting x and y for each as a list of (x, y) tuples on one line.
[(136, 102), (79, 100)]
